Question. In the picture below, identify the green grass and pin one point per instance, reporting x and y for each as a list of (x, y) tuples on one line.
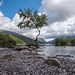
[(1, 30), (18, 41), (9, 40)]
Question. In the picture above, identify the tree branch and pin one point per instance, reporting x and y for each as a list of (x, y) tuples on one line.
[(37, 35)]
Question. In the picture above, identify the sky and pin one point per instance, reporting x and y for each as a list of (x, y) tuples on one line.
[(60, 14), (10, 7)]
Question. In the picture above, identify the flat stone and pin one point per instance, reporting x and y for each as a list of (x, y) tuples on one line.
[(43, 56), (74, 69), (53, 62)]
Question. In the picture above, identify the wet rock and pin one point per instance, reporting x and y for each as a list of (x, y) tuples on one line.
[(33, 45), (10, 57), (67, 56), (11, 46), (43, 56), (53, 62), (2, 49), (25, 47), (25, 51), (18, 48), (74, 69)]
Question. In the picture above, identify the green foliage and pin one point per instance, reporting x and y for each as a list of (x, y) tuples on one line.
[(32, 20), (73, 42), (9, 40), (60, 42), (65, 42), (18, 41)]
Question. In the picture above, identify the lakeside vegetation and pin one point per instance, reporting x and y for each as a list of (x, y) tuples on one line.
[(65, 42), (9, 40)]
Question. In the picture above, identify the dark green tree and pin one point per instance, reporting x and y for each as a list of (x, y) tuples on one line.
[(32, 19), (60, 42), (73, 42)]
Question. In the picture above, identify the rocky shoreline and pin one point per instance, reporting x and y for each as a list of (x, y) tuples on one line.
[(25, 61)]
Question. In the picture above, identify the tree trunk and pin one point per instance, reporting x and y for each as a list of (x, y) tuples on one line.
[(37, 35)]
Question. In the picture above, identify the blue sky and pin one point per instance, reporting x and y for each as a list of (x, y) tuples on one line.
[(10, 7), (60, 14)]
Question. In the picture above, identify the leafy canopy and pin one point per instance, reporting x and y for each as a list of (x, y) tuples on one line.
[(32, 19)]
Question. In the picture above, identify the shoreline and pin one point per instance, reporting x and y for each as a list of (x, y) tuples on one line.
[(25, 62)]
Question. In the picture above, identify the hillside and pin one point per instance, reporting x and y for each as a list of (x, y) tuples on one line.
[(22, 37), (9, 40)]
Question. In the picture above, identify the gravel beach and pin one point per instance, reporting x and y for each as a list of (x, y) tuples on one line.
[(25, 62)]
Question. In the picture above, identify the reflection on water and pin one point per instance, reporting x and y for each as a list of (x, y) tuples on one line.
[(57, 50)]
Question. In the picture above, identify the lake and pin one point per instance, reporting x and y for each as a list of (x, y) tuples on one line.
[(57, 50)]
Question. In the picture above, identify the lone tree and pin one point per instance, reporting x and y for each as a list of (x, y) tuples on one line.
[(32, 19)]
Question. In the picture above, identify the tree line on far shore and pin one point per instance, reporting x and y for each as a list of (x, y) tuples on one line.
[(65, 42)]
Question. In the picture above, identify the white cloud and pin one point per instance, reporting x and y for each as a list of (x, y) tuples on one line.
[(16, 19), (1, 14), (59, 10), (66, 28), (1, 2), (6, 23)]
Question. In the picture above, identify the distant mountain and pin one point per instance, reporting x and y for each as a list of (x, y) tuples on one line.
[(22, 37), (42, 40), (51, 42)]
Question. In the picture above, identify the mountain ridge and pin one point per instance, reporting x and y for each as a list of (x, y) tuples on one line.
[(22, 37)]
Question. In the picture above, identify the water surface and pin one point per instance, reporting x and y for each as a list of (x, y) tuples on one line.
[(57, 50)]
